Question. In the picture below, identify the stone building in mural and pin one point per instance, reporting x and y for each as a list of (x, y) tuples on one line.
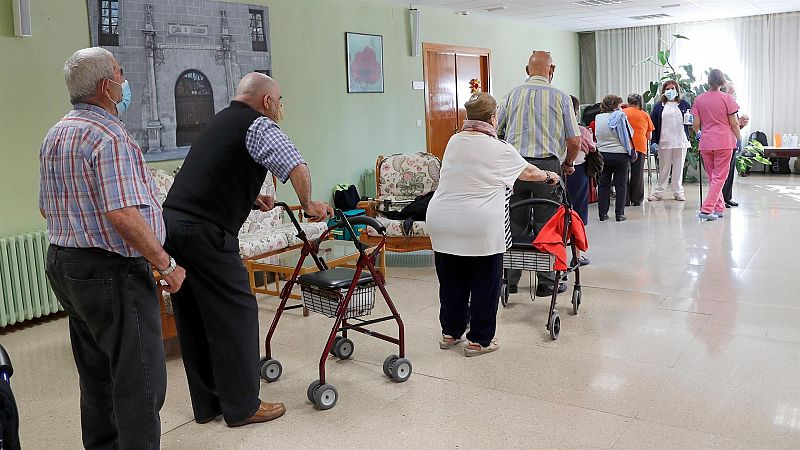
[(182, 59)]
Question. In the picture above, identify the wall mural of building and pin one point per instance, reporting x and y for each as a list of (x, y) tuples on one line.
[(182, 59)]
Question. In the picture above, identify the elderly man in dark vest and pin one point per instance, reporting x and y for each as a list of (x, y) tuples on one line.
[(218, 185)]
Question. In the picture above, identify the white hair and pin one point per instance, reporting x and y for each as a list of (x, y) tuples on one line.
[(84, 69)]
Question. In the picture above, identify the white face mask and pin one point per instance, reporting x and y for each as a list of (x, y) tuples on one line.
[(671, 94)]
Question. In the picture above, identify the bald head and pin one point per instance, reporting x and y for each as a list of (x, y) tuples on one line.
[(541, 63), (259, 92)]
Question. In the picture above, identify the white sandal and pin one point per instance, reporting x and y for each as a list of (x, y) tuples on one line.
[(449, 342), (475, 349)]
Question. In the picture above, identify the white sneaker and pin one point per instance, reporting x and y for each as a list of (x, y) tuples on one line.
[(655, 198), (680, 197)]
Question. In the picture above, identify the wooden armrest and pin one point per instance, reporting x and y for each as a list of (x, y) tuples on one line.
[(369, 207), (297, 208)]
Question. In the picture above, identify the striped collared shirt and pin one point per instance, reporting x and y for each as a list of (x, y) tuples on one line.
[(536, 118), (89, 165)]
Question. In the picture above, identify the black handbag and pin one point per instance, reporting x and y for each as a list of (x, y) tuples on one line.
[(594, 164), (346, 198)]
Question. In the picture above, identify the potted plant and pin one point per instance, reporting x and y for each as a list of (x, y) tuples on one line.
[(752, 152)]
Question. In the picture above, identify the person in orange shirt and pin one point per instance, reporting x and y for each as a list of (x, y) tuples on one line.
[(642, 132)]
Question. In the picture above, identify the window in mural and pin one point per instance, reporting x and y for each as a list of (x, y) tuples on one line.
[(109, 23), (257, 30)]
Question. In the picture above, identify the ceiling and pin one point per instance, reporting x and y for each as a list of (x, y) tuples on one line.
[(567, 15)]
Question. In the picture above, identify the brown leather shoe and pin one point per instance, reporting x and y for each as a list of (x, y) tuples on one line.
[(264, 413)]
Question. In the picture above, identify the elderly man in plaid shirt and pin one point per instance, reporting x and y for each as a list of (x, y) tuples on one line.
[(105, 228), (218, 185)]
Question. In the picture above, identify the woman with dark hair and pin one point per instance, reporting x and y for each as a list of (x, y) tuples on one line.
[(613, 133), (671, 137), (468, 222), (715, 116), (642, 129)]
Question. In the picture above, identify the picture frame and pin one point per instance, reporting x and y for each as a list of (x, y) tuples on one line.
[(364, 63)]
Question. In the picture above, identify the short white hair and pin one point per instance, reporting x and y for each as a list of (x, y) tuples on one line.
[(84, 69)]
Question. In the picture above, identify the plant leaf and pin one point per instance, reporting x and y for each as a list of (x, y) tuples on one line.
[(680, 36), (762, 160), (662, 57)]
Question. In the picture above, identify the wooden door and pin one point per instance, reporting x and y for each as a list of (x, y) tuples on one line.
[(194, 106), (448, 71)]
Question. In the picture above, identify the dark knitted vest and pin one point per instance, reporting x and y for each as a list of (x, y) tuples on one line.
[(219, 180)]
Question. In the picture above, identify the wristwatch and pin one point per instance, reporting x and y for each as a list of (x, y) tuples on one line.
[(568, 164), (171, 268), (548, 179)]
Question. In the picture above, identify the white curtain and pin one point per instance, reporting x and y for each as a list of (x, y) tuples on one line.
[(618, 55), (760, 54)]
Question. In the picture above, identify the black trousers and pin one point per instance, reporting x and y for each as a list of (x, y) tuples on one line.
[(469, 289), (528, 221), (217, 319), (636, 183), (115, 330), (578, 187), (617, 167), (727, 188)]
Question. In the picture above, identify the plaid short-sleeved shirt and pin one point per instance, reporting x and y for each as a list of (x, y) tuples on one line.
[(269, 146), (89, 165)]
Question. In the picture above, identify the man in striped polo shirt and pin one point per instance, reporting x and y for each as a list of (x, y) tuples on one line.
[(106, 232), (538, 120)]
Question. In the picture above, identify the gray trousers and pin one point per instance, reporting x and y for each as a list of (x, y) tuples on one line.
[(529, 221)]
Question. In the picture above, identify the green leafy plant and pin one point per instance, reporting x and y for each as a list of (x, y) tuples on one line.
[(752, 152)]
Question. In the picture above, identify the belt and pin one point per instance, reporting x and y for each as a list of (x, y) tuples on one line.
[(540, 159), (95, 251)]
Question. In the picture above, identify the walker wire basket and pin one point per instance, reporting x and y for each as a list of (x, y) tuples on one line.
[(528, 259), (326, 301)]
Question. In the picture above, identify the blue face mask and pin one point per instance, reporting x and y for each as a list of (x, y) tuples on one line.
[(671, 94), (125, 103)]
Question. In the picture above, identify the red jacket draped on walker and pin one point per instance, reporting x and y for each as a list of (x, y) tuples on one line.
[(550, 238)]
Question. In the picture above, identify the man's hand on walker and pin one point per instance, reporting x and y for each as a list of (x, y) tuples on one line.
[(318, 211), (265, 202)]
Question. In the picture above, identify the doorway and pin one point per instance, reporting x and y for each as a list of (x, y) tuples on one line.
[(448, 70), (194, 106)]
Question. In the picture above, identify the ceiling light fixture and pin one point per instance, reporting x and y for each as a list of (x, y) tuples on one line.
[(495, 8), (650, 16), (599, 2), (674, 5)]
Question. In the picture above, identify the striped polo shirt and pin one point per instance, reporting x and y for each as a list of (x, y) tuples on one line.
[(89, 165), (537, 119)]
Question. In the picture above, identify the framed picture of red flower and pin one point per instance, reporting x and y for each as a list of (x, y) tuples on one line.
[(364, 62)]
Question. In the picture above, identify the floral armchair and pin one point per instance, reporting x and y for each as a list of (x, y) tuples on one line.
[(399, 179), (262, 233)]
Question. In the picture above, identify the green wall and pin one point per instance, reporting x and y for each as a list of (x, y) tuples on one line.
[(339, 134), (342, 134), (32, 97)]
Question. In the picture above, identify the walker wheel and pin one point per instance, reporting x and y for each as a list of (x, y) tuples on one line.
[(343, 348), (325, 396), (555, 326), (271, 370), (387, 364), (333, 347), (576, 300), (311, 389), (504, 295), (400, 369)]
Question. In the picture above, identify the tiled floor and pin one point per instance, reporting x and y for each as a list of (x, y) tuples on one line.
[(689, 337)]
